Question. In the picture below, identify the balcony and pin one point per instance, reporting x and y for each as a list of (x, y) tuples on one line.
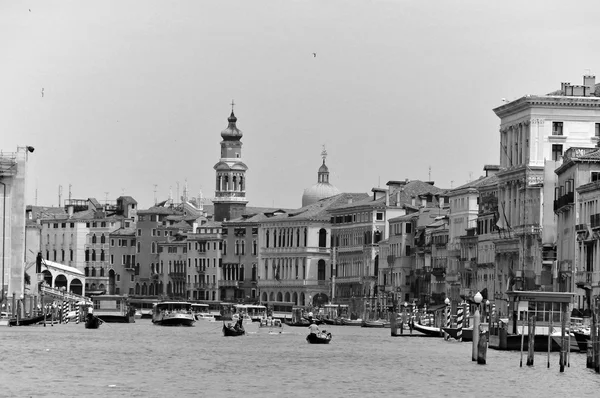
[(296, 282), (565, 200), (177, 275), (438, 271), (226, 283)]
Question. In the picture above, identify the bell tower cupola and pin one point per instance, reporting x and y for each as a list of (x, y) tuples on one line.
[(230, 191)]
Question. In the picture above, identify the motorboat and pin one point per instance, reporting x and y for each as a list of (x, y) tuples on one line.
[(173, 313), (324, 337), (352, 322), (273, 324), (205, 317), (247, 320), (379, 323)]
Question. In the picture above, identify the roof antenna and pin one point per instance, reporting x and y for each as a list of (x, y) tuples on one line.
[(429, 173)]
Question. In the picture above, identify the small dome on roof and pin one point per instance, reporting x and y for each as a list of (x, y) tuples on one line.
[(231, 133), (317, 192)]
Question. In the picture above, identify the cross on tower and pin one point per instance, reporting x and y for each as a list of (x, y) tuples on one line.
[(324, 154), (232, 105)]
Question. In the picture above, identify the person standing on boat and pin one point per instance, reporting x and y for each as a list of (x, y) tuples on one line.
[(313, 328)]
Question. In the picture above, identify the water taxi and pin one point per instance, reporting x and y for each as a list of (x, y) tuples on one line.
[(113, 309), (255, 312), (143, 306), (173, 313), (273, 324), (201, 312)]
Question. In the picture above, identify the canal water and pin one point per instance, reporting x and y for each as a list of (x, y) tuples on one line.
[(144, 360)]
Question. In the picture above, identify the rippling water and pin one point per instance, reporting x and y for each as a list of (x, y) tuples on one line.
[(143, 360)]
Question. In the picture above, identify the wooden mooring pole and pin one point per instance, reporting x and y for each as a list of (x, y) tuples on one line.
[(394, 323), (550, 330), (531, 339), (522, 339), (563, 337)]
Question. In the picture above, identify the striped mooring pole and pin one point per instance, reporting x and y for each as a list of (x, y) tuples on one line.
[(493, 311), (467, 314), (77, 307), (65, 313), (448, 318), (459, 322)]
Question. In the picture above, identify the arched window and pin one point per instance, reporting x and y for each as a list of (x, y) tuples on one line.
[(321, 270), (94, 238), (241, 272), (243, 247), (93, 271), (267, 245), (153, 248), (305, 236), (102, 239), (102, 255), (102, 271), (254, 272), (93, 255)]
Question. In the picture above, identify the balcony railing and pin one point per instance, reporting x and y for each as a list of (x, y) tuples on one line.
[(566, 199), (227, 283)]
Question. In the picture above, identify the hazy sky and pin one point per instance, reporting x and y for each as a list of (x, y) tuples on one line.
[(136, 93)]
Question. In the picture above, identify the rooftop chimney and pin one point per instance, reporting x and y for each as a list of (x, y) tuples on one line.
[(387, 197), (589, 81), (70, 211), (491, 169)]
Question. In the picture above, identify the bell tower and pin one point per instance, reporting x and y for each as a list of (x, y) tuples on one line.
[(230, 191)]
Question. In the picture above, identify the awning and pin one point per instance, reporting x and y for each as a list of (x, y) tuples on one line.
[(437, 307)]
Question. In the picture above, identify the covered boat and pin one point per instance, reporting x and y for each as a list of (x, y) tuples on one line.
[(173, 313), (322, 338), (113, 308), (274, 325)]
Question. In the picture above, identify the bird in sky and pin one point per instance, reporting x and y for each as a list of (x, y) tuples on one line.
[(42, 92), (30, 10), (314, 55)]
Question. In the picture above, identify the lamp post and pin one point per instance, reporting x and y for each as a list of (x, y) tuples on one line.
[(478, 297)]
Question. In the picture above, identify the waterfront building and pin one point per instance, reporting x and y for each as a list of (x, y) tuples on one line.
[(406, 257), (578, 226), (486, 272), (239, 277), (464, 276), (172, 257), (535, 132), (13, 176), (79, 237), (322, 189), (204, 260), (122, 255), (155, 225), (295, 253), (359, 226)]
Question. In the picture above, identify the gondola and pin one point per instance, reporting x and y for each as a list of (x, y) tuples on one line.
[(428, 331), (322, 338), (467, 333), (92, 321), (230, 331)]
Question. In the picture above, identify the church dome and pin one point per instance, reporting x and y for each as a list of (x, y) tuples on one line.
[(231, 133), (322, 189), (317, 192)]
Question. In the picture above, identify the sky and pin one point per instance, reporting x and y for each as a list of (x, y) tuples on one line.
[(136, 93)]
